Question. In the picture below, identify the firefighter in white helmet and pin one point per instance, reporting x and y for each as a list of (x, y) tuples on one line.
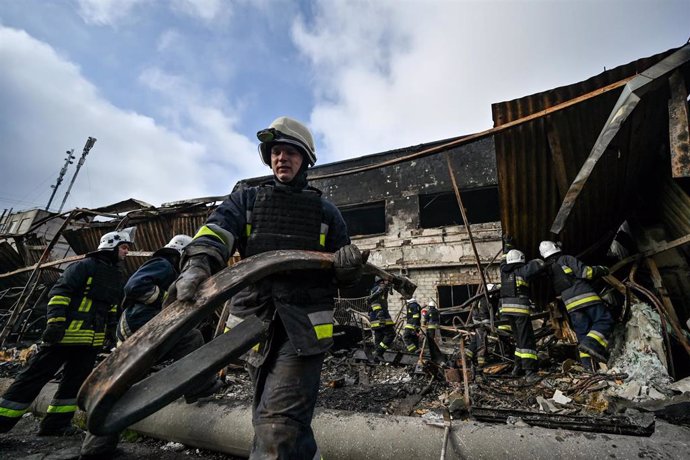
[(516, 275), (283, 213), (145, 293), (82, 313), (432, 319), (590, 318)]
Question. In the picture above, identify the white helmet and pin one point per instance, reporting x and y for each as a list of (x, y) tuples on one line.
[(548, 248), (490, 286), (287, 131), (412, 300), (514, 256), (432, 303), (179, 242), (111, 240)]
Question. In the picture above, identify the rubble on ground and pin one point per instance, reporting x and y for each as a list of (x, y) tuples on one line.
[(562, 394)]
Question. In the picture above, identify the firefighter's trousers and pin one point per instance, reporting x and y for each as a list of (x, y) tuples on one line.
[(383, 338), (285, 389), (525, 344), (77, 362)]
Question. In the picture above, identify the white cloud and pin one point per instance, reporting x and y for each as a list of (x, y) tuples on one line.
[(389, 74), (106, 12), (168, 40), (208, 117), (50, 107), (206, 10)]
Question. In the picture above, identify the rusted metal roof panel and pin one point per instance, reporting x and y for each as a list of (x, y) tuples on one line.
[(154, 228), (537, 160)]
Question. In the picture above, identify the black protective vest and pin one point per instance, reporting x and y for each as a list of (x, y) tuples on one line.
[(561, 281), (285, 219), (508, 284), (106, 286)]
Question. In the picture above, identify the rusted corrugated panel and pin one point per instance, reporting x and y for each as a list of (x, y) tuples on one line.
[(675, 210), (10, 260), (537, 161)]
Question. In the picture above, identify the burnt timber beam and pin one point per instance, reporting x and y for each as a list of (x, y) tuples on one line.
[(637, 425), (679, 126), (632, 94), (115, 396)]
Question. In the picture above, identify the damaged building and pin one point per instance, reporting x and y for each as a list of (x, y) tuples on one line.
[(601, 165)]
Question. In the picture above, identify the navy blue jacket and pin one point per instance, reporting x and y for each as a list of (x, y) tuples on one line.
[(303, 299)]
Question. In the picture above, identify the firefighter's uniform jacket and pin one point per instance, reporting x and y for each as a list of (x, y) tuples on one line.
[(589, 316), (155, 275), (84, 300), (380, 319), (432, 318), (515, 306), (571, 280), (378, 307), (412, 324)]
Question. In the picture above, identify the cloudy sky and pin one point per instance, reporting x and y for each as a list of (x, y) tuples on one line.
[(175, 90)]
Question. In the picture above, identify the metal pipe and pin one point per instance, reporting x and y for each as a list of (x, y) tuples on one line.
[(469, 234), (87, 147)]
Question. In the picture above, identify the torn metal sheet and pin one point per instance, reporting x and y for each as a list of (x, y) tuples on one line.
[(634, 90)]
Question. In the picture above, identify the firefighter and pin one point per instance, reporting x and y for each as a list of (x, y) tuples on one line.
[(481, 318), (412, 325), (380, 319), (145, 293), (82, 316), (515, 305), (282, 213), (432, 319), (146, 288), (590, 318)]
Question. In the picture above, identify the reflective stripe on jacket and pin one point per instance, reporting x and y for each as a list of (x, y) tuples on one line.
[(85, 299), (579, 294)]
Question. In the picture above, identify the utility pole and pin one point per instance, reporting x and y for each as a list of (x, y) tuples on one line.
[(89, 143), (68, 161)]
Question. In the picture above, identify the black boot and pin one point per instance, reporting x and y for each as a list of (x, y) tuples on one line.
[(517, 370), (205, 393)]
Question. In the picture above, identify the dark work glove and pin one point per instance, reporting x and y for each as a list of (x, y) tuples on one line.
[(508, 242), (601, 270), (348, 263), (54, 332), (195, 271)]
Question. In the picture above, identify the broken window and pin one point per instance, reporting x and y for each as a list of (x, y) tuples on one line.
[(449, 296), (365, 219), (441, 209)]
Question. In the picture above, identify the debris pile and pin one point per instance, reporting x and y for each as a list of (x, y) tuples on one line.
[(639, 353)]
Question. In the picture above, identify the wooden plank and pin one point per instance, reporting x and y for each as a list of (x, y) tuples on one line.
[(659, 249)]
